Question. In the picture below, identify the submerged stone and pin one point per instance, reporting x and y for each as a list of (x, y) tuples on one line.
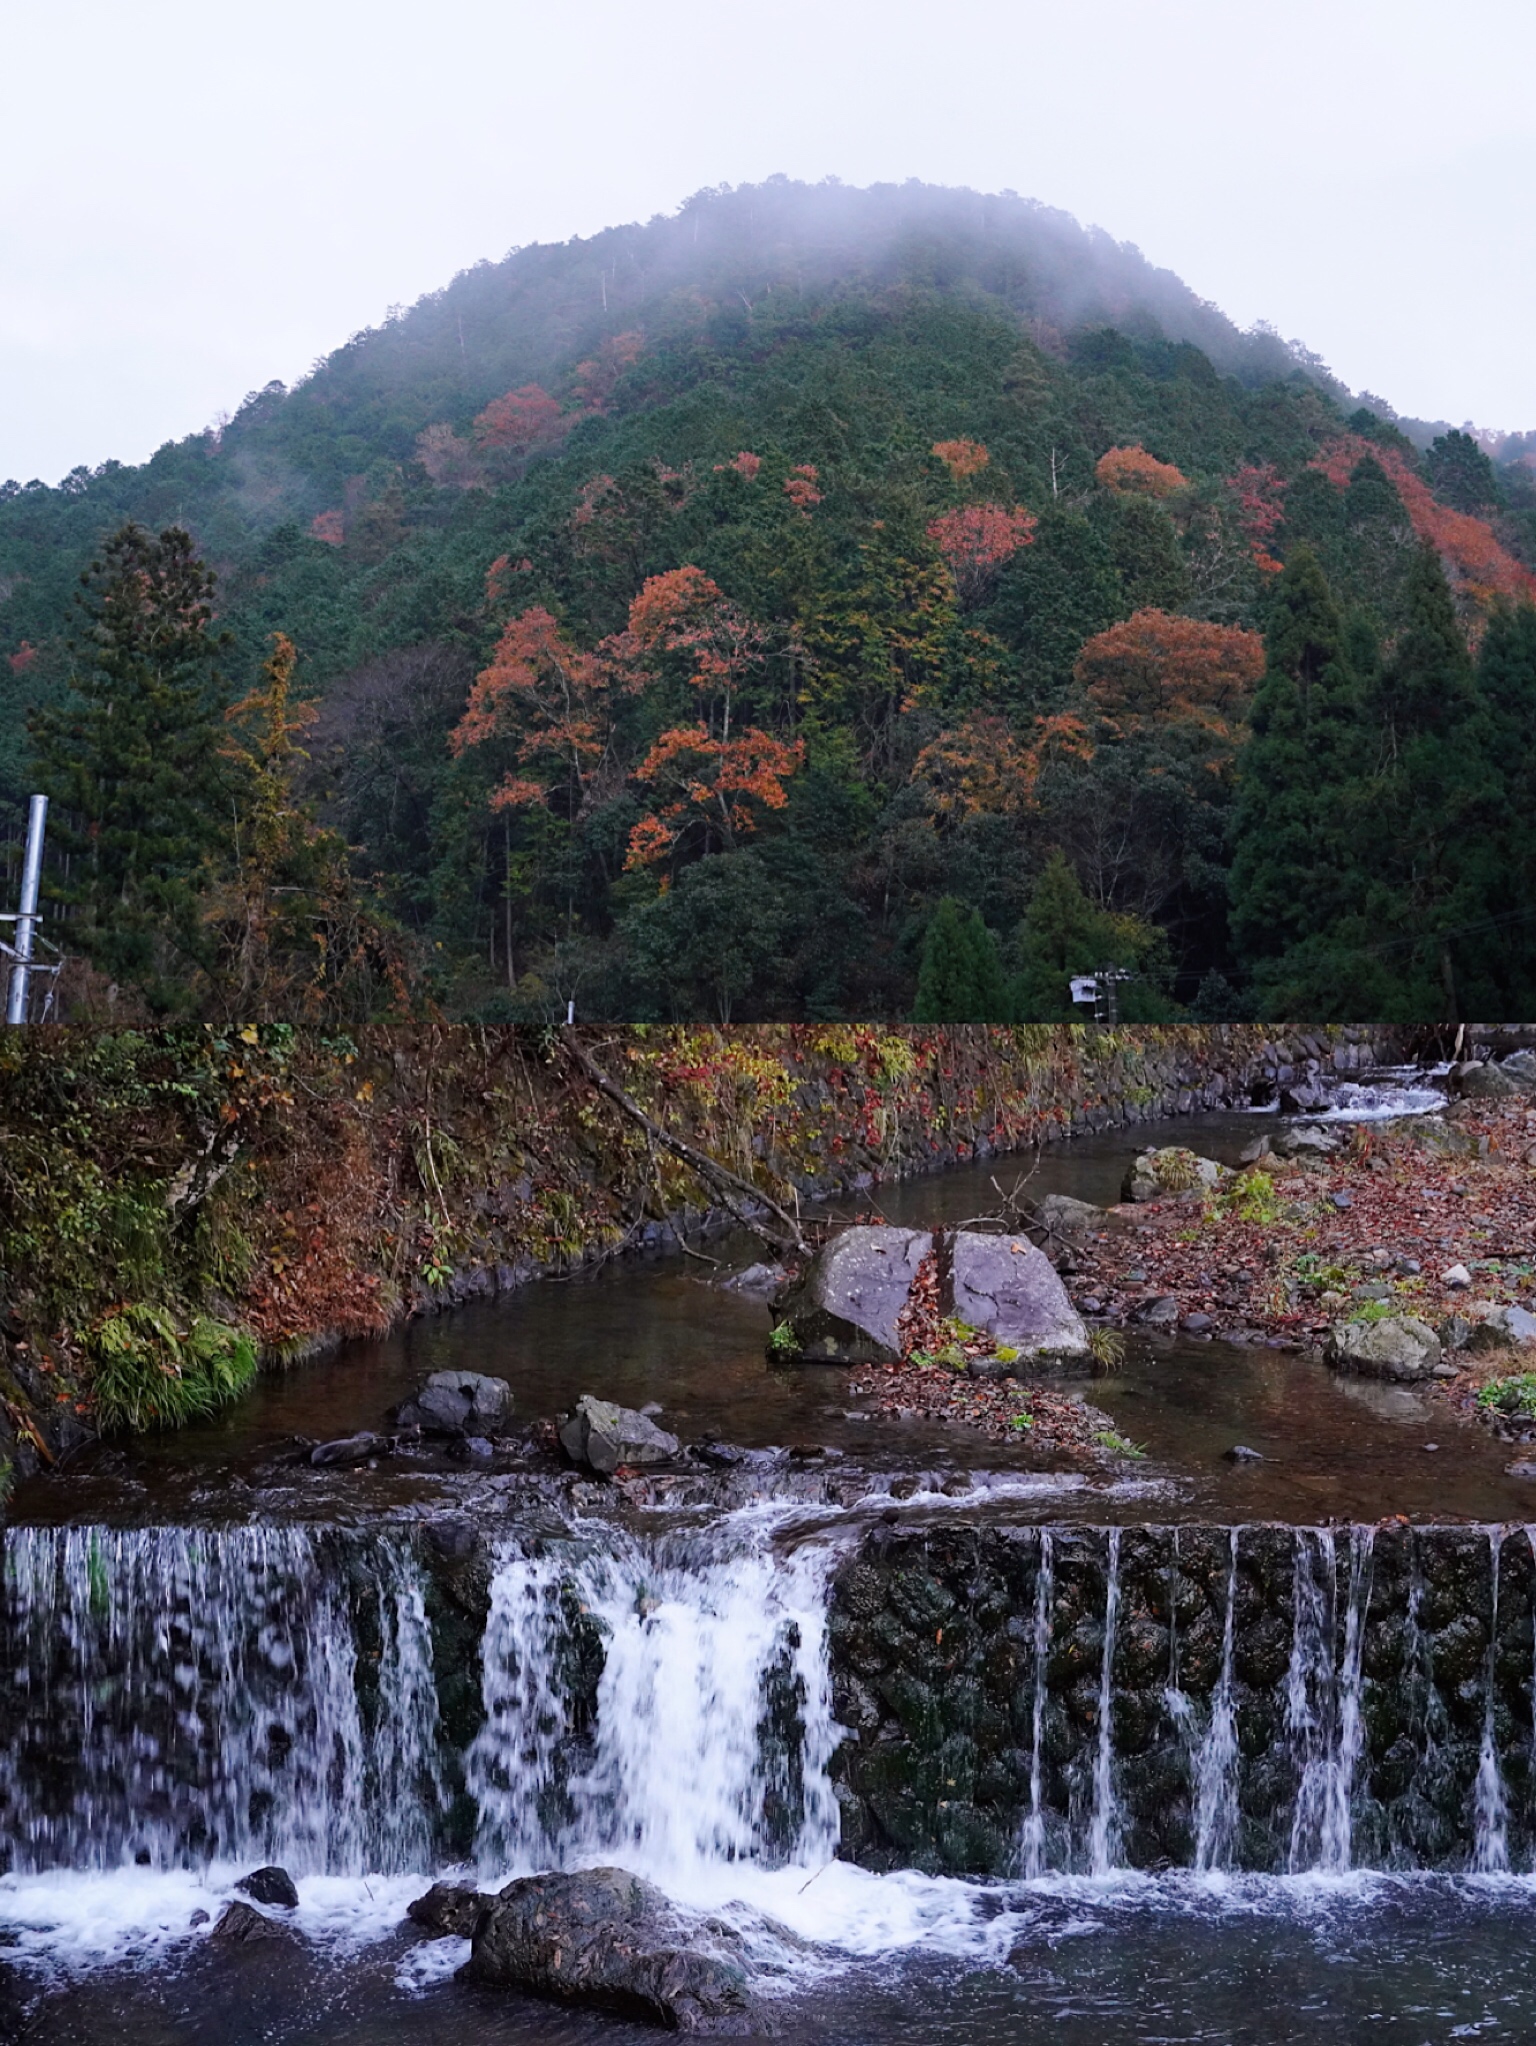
[(240, 1924)]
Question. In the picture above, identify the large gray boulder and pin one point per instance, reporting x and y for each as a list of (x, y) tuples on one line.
[(460, 1403), (1400, 1347), (843, 1307), (1510, 1081), (1309, 1139), (608, 1940), (1172, 1170), (1007, 1288), (603, 1436)]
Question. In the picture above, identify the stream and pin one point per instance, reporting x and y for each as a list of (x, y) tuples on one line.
[(1218, 1758)]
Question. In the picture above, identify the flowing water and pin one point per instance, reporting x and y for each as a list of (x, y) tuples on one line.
[(224, 1668)]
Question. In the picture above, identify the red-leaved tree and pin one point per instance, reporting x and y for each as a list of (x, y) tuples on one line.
[(976, 540)]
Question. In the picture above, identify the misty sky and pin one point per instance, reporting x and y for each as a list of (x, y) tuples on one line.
[(198, 198)]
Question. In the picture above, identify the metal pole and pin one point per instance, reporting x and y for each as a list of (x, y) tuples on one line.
[(26, 922)]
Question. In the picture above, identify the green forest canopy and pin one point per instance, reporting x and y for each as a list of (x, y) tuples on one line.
[(693, 611)]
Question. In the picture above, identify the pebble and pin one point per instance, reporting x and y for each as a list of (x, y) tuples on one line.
[(1456, 1275)]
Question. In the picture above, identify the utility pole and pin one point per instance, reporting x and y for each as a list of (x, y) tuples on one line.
[(26, 920)]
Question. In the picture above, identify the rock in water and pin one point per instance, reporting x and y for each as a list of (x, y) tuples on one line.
[(843, 1309), (460, 1403), (1006, 1288), (270, 1886), (449, 1910), (758, 1282), (603, 1436), (608, 1940), (1478, 1082), (1400, 1347), (241, 1923), (349, 1449)]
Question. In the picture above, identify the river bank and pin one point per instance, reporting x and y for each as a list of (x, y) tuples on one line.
[(182, 1206)]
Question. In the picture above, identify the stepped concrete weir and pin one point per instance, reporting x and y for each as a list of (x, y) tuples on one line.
[(954, 1697)]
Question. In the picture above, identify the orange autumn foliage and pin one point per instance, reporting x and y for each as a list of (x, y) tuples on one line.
[(983, 768), (709, 787), (976, 540), (1479, 565), (1164, 670), (961, 458), (329, 526), (800, 487), (1133, 469), (550, 700), (1259, 496), (1158, 668), (518, 420)]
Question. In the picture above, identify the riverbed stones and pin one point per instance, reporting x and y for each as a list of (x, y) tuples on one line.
[(348, 1449), (1171, 1170), (1059, 1215), (1398, 1347), (460, 1403), (843, 1308), (1475, 1081), (1007, 1288), (605, 1437), (609, 1940)]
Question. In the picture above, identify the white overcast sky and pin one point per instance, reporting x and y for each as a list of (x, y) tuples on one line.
[(197, 196)]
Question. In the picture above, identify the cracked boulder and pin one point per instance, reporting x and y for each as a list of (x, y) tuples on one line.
[(843, 1307), (1006, 1287), (460, 1403)]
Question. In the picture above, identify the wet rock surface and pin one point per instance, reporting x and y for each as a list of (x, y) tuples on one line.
[(606, 1437), (1399, 1347), (609, 1940), (459, 1403), (845, 1306), (241, 1924), (449, 1910), (270, 1886)]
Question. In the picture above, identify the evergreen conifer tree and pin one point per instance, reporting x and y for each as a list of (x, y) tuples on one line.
[(960, 979), (132, 762), (1505, 951), (1431, 806), (1063, 934), (1296, 876)]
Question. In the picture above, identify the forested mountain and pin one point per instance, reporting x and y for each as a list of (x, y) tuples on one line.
[(817, 603)]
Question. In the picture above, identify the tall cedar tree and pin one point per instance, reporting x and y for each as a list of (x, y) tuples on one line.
[(1295, 869), (1507, 950), (132, 762), (961, 977), (1432, 803)]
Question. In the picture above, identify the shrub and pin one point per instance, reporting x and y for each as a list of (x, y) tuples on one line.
[(152, 1371)]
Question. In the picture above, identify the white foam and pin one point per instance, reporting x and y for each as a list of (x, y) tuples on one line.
[(78, 1919)]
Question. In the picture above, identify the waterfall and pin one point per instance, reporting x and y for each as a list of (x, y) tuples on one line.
[(1215, 1770), (699, 1733), (1104, 1833), (1490, 1850), (1045, 1594), (1323, 1696), (177, 1696)]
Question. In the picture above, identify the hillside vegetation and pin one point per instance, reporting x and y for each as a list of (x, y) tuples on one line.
[(816, 604)]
